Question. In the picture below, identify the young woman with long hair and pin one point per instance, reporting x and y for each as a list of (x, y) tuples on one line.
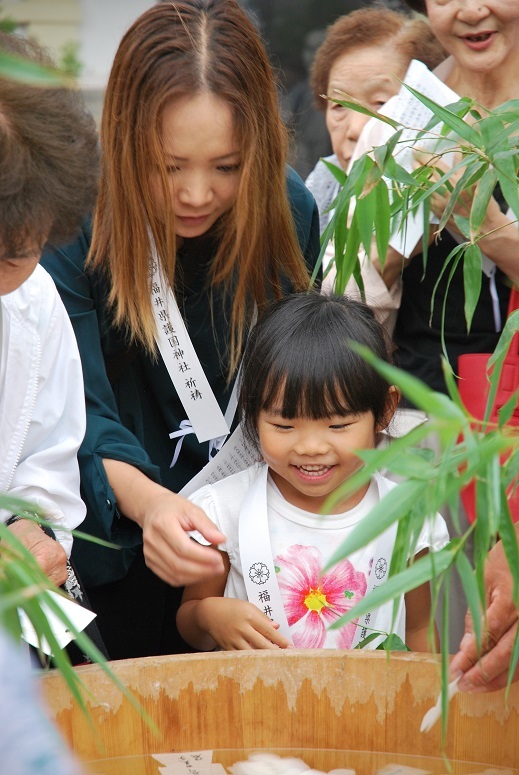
[(199, 223)]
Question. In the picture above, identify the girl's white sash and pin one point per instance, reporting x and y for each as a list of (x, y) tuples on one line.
[(259, 573), (257, 562)]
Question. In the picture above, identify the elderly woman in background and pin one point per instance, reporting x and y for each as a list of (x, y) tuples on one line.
[(365, 55)]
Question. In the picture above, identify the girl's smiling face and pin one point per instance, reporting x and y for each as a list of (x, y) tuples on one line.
[(310, 459), (480, 34), (370, 75)]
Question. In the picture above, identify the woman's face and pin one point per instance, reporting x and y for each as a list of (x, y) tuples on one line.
[(203, 161), (480, 34), (370, 75)]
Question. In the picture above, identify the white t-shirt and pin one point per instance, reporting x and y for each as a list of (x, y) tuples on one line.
[(302, 543)]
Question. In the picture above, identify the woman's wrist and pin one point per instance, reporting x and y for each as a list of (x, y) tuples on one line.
[(134, 491)]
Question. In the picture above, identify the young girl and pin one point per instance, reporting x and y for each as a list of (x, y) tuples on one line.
[(308, 401)]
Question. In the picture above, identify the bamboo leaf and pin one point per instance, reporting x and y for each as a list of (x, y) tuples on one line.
[(506, 412), (470, 587), (444, 650), (365, 215), (358, 107), (393, 506), (413, 389), (383, 222), (369, 639), (337, 172), (495, 363), (482, 196), (507, 177), (449, 118), (472, 277), (393, 642), (420, 572), (450, 382), (508, 538)]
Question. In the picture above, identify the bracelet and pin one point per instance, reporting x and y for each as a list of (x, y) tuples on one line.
[(12, 519), (45, 528)]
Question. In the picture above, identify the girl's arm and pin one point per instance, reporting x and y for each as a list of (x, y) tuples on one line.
[(417, 618), (207, 620)]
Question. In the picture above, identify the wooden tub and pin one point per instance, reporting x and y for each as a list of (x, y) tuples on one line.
[(313, 701)]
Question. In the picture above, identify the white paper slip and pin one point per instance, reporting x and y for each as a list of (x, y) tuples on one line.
[(236, 455), (80, 617), (434, 713), (188, 763), (407, 110), (401, 769)]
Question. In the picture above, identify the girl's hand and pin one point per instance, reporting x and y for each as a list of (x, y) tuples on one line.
[(237, 625)]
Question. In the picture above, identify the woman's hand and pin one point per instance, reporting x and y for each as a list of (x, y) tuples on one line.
[(499, 238), (237, 625), (166, 518), (440, 199), (488, 671), (48, 553), (168, 550)]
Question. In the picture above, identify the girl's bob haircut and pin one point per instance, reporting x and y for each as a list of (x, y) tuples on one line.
[(299, 361)]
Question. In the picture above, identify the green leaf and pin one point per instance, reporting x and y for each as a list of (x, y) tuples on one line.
[(359, 108), (509, 541), (444, 650), (449, 118), (495, 363), (365, 215), (393, 642), (337, 172), (420, 572), (18, 68), (383, 221), (369, 639), (507, 177), (413, 389), (472, 276), (393, 506), (482, 196), (506, 412), (470, 587)]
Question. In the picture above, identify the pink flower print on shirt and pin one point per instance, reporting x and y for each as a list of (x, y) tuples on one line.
[(314, 600)]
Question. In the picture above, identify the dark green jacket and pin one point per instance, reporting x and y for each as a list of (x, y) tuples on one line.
[(132, 406)]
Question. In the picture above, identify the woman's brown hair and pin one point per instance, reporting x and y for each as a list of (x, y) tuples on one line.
[(413, 39), (175, 50)]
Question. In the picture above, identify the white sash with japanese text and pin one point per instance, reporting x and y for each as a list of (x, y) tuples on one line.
[(257, 562), (185, 370)]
